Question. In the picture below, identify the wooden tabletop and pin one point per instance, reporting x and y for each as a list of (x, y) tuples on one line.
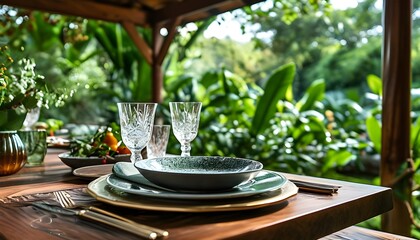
[(304, 216)]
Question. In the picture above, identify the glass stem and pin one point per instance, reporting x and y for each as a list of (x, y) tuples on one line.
[(136, 156), (185, 148)]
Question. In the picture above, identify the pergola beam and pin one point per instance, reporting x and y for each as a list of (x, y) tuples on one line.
[(157, 73), (172, 31), (149, 14), (85, 9), (142, 45), (193, 10)]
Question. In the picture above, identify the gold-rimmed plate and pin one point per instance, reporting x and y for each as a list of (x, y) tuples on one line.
[(100, 190)]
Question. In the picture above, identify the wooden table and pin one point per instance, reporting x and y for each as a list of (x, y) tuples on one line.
[(304, 216)]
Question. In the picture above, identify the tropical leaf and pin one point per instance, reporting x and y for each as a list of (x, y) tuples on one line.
[(336, 158), (375, 84), (313, 94), (275, 90), (209, 78), (415, 138), (373, 128), (225, 81), (11, 120)]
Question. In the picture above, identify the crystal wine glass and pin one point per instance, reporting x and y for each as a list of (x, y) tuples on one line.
[(136, 121), (185, 119)]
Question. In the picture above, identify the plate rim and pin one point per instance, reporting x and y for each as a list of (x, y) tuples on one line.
[(170, 171), (91, 166), (67, 155), (99, 191), (195, 196)]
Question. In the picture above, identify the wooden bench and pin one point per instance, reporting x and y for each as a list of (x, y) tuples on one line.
[(359, 233)]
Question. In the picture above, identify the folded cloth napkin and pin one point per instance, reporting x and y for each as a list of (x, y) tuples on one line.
[(316, 187), (127, 171)]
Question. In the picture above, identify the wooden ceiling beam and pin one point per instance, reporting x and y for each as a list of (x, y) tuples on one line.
[(85, 9), (193, 10), (172, 31), (140, 43)]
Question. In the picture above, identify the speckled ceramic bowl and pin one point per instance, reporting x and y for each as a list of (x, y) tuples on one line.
[(198, 173), (77, 162)]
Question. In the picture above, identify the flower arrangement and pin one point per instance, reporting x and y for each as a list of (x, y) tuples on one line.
[(22, 89)]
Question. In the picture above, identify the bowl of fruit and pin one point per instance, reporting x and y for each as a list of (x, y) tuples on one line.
[(104, 147)]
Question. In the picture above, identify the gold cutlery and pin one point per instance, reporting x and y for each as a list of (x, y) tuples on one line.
[(98, 218), (109, 218)]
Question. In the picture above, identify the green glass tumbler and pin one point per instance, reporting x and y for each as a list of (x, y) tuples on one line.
[(35, 142)]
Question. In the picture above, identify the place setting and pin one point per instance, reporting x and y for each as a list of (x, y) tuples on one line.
[(183, 183)]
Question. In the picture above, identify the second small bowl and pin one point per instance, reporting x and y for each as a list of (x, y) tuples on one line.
[(198, 173), (77, 162)]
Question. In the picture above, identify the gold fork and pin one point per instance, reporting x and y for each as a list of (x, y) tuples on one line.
[(67, 202)]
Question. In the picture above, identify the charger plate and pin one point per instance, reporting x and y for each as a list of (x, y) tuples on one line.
[(265, 181), (101, 191)]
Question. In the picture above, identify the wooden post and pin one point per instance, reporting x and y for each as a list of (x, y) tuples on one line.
[(396, 75), (157, 75), (157, 82), (159, 51), (151, 55)]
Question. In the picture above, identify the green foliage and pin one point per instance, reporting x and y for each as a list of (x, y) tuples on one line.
[(415, 139), (212, 54), (22, 88), (54, 124), (291, 9), (67, 58), (11, 119), (241, 119), (374, 131), (342, 46), (375, 84), (129, 75), (275, 90), (312, 95), (335, 158)]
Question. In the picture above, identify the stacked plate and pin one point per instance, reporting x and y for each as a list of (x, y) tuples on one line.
[(192, 184)]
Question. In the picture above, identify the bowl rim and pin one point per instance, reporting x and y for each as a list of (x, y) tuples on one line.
[(67, 156), (259, 166)]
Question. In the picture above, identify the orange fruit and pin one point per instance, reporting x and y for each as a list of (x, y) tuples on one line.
[(123, 150), (111, 141)]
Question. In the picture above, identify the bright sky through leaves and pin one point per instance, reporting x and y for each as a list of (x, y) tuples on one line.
[(228, 27)]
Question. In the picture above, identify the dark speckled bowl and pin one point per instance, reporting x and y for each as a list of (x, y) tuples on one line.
[(77, 162), (198, 173)]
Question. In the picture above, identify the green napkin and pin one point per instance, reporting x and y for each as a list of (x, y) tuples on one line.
[(127, 171)]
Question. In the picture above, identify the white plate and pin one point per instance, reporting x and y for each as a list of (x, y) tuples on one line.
[(94, 171), (265, 181)]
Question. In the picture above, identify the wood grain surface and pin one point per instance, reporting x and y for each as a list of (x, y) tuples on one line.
[(304, 216)]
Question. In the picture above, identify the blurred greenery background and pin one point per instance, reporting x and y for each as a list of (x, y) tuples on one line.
[(302, 94)]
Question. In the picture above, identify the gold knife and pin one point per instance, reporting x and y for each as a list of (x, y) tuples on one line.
[(159, 232), (98, 217)]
